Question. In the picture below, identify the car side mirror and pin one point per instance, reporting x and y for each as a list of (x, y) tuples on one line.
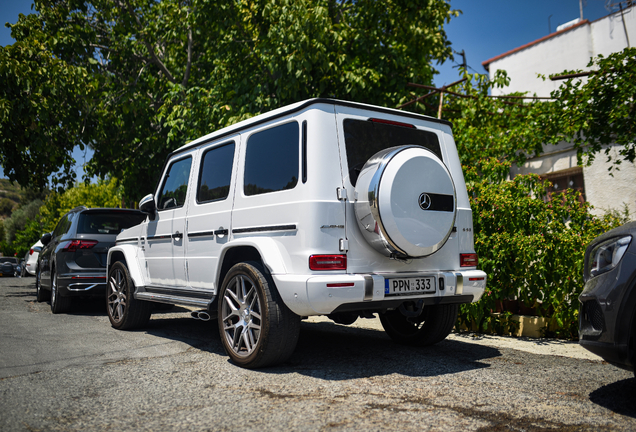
[(147, 205), (46, 238)]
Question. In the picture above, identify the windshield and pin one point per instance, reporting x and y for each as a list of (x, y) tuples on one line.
[(111, 222)]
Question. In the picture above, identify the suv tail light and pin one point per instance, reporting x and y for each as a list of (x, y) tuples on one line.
[(30, 251), (328, 262), (75, 245), (468, 260)]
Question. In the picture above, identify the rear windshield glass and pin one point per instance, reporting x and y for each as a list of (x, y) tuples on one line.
[(365, 138), (8, 260), (108, 222)]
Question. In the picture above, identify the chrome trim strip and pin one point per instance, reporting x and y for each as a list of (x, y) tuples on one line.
[(127, 240), (71, 287), (166, 298), (159, 237), (201, 234), (290, 227)]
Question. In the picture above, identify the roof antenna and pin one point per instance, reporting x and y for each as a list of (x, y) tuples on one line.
[(581, 8)]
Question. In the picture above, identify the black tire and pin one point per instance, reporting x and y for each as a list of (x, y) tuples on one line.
[(432, 326), (124, 311), (257, 329), (59, 303), (41, 294)]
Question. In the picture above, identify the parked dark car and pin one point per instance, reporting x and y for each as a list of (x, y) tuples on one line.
[(9, 266), (73, 259), (607, 318)]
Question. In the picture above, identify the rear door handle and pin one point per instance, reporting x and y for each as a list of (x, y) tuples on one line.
[(177, 235)]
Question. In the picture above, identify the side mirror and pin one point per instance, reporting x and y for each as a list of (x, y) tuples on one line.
[(46, 238), (147, 205)]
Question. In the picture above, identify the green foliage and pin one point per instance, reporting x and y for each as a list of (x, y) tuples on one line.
[(42, 108), (158, 74), (601, 111), (102, 194), (27, 237), (6, 206), (19, 219), (532, 250)]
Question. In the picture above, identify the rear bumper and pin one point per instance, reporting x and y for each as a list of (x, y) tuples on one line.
[(30, 268), (82, 284), (325, 294)]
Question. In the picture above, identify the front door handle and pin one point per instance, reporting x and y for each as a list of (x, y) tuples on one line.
[(177, 235)]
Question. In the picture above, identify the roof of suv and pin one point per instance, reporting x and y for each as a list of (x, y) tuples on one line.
[(298, 106)]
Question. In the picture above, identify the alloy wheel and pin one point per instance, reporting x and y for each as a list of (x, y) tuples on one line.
[(241, 315), (117, 291)]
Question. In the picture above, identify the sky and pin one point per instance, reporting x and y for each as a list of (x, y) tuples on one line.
[(485, 29)]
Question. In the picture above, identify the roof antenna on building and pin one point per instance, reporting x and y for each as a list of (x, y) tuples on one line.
[(549, 25), (581, 8)]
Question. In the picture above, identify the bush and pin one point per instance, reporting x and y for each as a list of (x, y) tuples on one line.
[(532, 250)]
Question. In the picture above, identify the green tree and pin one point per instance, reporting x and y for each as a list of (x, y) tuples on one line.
[(104, 193), (19, 219), (531, 248), (43, 108), (6, 206), (27, 237), (159, 74)]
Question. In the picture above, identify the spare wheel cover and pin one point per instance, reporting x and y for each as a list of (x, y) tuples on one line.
[(410, 194)]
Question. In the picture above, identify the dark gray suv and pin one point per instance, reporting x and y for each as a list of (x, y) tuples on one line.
[(607, 318), (73, 259)]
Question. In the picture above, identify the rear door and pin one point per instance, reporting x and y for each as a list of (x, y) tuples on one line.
[(209, 213)]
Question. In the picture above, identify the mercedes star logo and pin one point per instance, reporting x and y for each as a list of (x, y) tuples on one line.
[(424, 201)]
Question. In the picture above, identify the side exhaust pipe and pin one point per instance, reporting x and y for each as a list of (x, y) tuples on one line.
[(202, 315)]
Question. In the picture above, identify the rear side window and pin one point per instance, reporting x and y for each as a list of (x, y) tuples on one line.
[(107, 222), (63, 225), (216, 174), (271, 160), (365, 138), (175, 185)]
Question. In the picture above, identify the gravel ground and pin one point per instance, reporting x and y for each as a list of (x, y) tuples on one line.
[(74, 372)]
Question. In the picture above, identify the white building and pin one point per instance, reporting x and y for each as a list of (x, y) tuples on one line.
[(571, 48)]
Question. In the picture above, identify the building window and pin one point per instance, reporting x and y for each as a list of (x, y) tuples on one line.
[(566, 179)]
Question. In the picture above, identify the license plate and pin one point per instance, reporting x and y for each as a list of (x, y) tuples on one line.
[(409, 286)]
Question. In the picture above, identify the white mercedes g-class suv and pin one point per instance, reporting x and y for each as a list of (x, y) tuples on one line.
[(323, 207)]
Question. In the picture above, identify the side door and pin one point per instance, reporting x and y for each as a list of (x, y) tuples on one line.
[(164, 236), (209, 214)]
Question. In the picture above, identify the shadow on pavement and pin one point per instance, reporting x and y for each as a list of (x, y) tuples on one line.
[(618, 397), (332, 352), (325, 350)]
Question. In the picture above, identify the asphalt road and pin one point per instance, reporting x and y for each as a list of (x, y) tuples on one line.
[(75, 372)]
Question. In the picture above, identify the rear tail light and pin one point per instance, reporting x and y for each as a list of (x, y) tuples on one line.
[(75, 245), (468, 260), (30, 251), (328, 262)]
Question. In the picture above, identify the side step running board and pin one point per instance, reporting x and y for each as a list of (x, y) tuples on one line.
[(172, 299)]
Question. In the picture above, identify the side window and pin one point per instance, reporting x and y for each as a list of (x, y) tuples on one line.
[(216, 173), (63, 225), (271, 160), (175, 185)]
